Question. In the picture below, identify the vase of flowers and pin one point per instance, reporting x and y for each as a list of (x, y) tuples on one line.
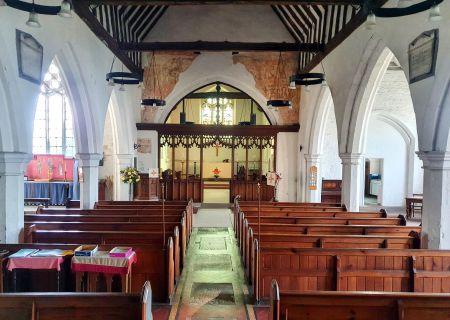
[(216, 173), (131, 176)]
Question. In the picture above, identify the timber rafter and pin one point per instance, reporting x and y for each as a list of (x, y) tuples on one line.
[(316, 26)]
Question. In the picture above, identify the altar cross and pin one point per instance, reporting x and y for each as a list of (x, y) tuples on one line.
[(217, 146)]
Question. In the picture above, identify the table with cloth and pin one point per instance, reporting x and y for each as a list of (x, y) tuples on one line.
[(102, 263), (58, 192), (35, 263)]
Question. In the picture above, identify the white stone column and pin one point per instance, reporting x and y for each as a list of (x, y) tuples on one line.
[(436, 200), (121, 189), (352, 170), (313, 195), (89, 186), (12, 168)]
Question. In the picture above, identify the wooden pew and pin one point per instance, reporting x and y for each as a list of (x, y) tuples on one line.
[(356, 305), (420, 270), (237, 203), (161, 274), (238, 219), (30, 218), (399, 221), (180, 241), (156, 259), (323, 230), (297, 243), (77, 306), (145, 204), (120, 212)]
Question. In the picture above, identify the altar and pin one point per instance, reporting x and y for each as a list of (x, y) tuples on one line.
[(51, 176), (57, 191)]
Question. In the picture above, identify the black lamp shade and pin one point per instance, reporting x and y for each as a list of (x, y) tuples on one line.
[(153, 102)]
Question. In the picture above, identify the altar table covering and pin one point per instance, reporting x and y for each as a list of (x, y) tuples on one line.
[(56, 191), (101, 262), (42, 263)]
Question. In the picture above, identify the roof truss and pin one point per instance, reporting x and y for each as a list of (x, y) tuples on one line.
[(317, 26)]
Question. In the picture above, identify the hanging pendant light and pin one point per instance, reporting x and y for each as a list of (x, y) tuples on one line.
[(292, 85), (277, 103), (122, 78), (370, 22), (157, 101), (33, 20), (66, 9), (435, 13)]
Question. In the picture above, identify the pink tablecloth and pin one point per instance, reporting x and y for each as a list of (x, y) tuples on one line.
[(46, 263), (102, 262)]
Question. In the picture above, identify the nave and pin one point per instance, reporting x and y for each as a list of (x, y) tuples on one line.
[(259, 260), (212, 285)]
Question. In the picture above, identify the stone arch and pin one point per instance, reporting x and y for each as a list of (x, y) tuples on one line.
[(85, 129), (122, 132), (410, 141), (6, 141), (9, 132), (370, 72), (441, 137), (318, 123), (181, 91)]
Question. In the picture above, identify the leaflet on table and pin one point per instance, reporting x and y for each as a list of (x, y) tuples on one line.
[(86, 250), (121, 252), (52, 253), (23, 253)]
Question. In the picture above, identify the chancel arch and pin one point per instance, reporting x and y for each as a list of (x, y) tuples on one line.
[(236, 76), (217, 142)]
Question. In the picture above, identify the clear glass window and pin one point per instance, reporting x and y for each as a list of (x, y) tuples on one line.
[(53, 123)]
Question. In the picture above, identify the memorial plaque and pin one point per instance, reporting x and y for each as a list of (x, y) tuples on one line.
[(422, 55), (30, 55)]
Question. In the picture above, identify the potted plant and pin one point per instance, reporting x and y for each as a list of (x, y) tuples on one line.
[(131, 176)]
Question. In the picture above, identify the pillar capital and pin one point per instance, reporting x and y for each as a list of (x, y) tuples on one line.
[(312, 157), (124, 159), (13, 163), (351, 158), (435, 160), (89, 159)]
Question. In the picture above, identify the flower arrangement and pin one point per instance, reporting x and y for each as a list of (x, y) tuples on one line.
[(216, 172), (130, 175), (277, 178)]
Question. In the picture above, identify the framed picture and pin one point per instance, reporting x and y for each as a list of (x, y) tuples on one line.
[(30, 55), (422, 54)]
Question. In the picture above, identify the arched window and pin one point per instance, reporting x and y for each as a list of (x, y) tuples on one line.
[(53, 127), (209, 111)]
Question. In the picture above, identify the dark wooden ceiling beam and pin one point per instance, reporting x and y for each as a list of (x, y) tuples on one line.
[(343, 34), (228, 95), (91, 21), (221, 46), (213, 130), (222, 2)]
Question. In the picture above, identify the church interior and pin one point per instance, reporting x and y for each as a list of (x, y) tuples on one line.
[(224, 159)]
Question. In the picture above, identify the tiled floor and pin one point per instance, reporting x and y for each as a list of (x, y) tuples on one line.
[(212, 285)]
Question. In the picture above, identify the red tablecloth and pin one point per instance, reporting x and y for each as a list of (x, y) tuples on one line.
[(101, 262), (35, 263)]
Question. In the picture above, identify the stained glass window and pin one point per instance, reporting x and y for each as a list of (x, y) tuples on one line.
[(53, 125), (210, 108)]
